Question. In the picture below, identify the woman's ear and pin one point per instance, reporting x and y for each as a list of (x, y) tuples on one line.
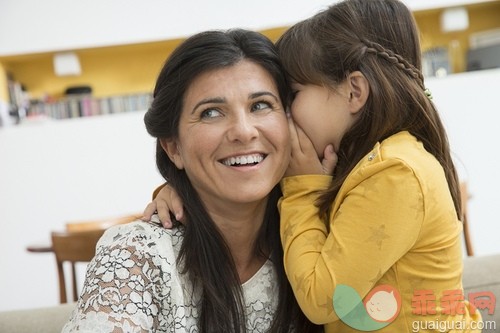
[(171, 147), (359, 91)]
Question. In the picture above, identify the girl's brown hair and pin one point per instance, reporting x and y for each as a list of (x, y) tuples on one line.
[(380, 39)]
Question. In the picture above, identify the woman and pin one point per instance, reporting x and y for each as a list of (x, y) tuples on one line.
[(222, 142)]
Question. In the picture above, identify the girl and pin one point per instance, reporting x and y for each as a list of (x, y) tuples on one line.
[(392, 207)]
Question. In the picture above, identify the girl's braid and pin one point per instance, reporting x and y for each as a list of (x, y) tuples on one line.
[(393, 58)]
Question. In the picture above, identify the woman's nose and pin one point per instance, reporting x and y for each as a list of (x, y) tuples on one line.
[(243, 128)]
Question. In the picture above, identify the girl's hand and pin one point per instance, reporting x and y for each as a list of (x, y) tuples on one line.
[(304, 159), (165, 202)]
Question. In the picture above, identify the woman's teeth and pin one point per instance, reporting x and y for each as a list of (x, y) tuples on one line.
[(243, 160)]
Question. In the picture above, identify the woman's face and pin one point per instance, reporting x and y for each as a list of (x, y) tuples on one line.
[(233, 136)]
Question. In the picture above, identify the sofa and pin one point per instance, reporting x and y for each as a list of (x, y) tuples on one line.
[(39, 320), (481, 274)]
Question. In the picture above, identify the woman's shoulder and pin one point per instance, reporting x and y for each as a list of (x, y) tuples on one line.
[(148, 236), (132, 283)]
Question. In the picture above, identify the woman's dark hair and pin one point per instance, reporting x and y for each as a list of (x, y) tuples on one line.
[(204, 254), (380, 39)]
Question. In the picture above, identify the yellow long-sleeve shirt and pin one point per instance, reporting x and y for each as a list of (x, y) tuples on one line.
[(393, 223)]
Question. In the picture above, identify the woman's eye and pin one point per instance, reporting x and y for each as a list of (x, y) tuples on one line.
[(210, 113), (261, 106)]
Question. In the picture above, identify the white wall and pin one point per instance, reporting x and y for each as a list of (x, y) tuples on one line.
[(79, 24), (28, 26), (57, 171), (469, 104)]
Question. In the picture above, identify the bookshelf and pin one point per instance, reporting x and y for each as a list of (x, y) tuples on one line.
[(87, 106), (120, 77)]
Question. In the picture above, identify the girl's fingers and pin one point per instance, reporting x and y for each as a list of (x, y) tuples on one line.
[(176, 206), (169, 203), (305, 143), (294, 140), (329, 161), (149, 211), (163, 211), (165, 204)]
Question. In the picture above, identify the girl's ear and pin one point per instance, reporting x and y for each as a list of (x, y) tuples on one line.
[(171, 147), (359, 91)]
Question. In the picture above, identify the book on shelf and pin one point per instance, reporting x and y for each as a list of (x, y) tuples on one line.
[(86, 106)]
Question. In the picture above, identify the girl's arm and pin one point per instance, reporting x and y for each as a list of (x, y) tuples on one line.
[(375, 224)]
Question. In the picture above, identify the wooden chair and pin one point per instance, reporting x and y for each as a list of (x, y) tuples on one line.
[(77, 244), (100, 224), (73, 247), (464, 197)]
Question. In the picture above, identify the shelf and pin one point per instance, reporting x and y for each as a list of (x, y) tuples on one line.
[(87, 106)]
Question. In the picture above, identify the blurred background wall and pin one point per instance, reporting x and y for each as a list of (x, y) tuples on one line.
[(65, 157)]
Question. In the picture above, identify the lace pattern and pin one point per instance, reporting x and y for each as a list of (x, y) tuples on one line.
[(133, 285)]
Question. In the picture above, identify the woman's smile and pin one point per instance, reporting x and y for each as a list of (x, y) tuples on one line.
[(244, 160)]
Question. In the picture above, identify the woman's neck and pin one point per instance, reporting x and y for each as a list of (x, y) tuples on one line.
[(240, 231)]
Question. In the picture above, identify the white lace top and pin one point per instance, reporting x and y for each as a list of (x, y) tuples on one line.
[(133, 285)]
